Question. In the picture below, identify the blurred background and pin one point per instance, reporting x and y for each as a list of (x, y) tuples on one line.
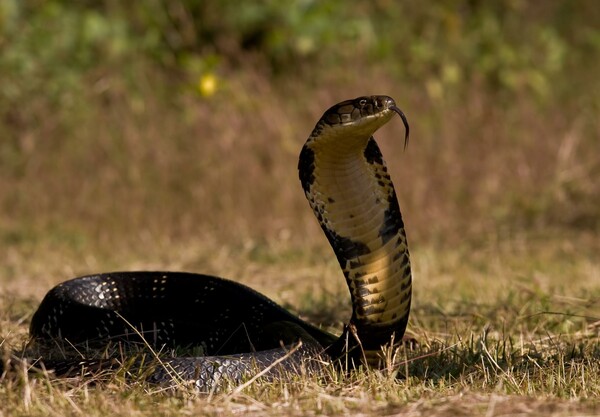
[(133, 125)]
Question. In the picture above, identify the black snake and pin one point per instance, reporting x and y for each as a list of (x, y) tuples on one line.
[(235, 331)]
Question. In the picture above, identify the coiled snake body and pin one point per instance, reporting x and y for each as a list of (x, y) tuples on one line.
[(237, 330)]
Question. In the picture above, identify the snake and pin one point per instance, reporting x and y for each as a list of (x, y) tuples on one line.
[(233, 331)]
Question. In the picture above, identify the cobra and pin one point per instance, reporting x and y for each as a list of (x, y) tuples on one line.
[(239, 331)]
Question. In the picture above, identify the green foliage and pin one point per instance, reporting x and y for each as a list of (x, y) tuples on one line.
[(510, 45), (502, 85), (46, 50)]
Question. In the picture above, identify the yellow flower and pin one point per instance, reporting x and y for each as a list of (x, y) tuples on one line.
[(207, 84)]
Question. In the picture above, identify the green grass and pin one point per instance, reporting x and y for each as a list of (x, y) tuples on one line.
[(502, 328)]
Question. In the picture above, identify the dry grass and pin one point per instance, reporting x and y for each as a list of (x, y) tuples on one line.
[(225, 167), (501, 205), (502, 331)]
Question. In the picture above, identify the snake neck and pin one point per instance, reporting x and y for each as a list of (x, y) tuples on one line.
[(352, 195)]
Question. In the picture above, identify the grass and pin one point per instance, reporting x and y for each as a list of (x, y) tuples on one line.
[(505, 328)]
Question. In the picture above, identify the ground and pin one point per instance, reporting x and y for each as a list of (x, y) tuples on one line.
[(505, 328)]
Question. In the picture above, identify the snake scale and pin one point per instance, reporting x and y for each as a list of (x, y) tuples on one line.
[(233, 330)]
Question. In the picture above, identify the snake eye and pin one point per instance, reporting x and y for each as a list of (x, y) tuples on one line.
[(362, 102)]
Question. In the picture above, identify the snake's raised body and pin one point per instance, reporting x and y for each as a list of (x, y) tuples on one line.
[(238, 330)]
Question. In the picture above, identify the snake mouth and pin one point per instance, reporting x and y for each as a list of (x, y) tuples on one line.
[(404, 120)]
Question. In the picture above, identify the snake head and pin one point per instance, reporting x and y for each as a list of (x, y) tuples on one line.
[(362, 116)]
